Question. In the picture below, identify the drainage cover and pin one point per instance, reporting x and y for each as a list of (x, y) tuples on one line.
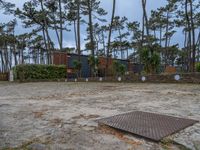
[(148, 125)]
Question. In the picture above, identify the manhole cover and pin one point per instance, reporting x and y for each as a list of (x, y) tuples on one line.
[(148, 125)]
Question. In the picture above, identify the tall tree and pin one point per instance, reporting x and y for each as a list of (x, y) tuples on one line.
[(92, 9), (34, 14), (78, 2), (146, 19), (193, 35), (110, 32), (74, 15), (111, 27)]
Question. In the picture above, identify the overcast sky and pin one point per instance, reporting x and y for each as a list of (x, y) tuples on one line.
[(132, 9)]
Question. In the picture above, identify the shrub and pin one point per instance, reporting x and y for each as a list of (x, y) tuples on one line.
[(198, 67), (122, 69), (119, 69), (77, 66), (93, 63), (151, 60), (32, 72)]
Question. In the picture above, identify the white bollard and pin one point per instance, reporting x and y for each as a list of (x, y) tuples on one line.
[(143, 79), (100, 79), (119, 79), (177, 77)]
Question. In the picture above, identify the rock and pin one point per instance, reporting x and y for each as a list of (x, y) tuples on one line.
[(60, 126), (190, 137), (197, 144), (86, 128), (37, 146)]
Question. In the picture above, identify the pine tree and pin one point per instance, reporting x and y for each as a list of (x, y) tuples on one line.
[(92, 9)]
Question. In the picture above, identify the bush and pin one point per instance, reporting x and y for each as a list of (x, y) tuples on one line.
[(93, 63), (151, 60), (32, 72), (198, 67), (77, 66), (119, 69)]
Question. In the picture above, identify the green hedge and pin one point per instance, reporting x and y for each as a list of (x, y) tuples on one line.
[(40, 72), (198, 67)]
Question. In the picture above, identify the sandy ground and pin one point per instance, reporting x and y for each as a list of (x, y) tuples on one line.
[(62, 115)]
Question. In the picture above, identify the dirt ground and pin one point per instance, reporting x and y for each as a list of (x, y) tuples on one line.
[(62, 116)]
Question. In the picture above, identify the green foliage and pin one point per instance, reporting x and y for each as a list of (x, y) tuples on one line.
[(151, 60), (93, 63), (77, 66), (119, 69), (29, 72), (198, 67), (122, 69)]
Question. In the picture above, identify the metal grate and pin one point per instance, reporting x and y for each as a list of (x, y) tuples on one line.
[(148, 125)]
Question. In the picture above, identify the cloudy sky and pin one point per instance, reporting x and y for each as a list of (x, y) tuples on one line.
[(132, 9)]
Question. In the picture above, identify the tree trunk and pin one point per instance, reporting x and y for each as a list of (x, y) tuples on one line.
[(189, 45), (160, 36), (75, 35), (167, 30), (146, 19), (166, 39), (15, 55), (2, 61), (110, 33), (41, 56), (44, 38), (185, 39), (143, 26), (47, 34), (78, 31), (61, 25), (91, 26), (143, 20), (104, 45), (193, 36), (56, 30), (147, 26), (120, 40), (198, 47), (10, 57), (6, 57)]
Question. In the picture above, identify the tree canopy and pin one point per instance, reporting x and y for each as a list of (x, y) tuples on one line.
[(117, 37)]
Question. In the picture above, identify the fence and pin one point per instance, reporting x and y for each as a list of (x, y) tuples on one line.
[(4, 76)]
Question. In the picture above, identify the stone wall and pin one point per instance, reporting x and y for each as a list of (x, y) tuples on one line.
[(170, 78), (165, 78)]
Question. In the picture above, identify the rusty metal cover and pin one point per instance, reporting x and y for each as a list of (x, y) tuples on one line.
[(148, 125)]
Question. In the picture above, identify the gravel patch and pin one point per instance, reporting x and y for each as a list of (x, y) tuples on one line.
[(53, 115)]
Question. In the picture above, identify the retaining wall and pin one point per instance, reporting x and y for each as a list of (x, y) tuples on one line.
[(167, 78), (170, 78)]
